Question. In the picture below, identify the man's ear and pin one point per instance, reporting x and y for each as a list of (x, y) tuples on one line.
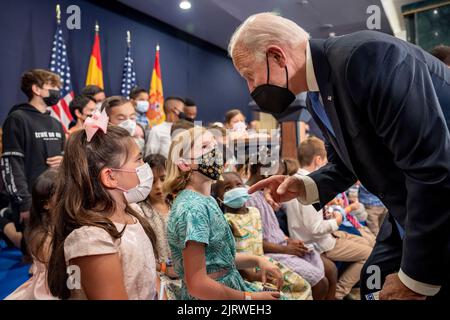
[(183, 165), (276, 53), (107, 178)]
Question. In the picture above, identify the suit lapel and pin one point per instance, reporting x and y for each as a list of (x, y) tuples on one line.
[(323, 74)]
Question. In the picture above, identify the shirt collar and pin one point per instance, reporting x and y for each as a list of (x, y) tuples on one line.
[(311, 80)]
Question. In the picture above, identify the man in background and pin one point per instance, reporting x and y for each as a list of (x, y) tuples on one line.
[(159, 138), (190, 110)]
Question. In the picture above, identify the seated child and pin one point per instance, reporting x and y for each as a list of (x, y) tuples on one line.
[(104, 244), (350, 222), (246, 225), (38, 237), (155, 210), (291, 253), (202, 245)]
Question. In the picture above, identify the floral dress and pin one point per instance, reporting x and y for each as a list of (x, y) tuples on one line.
[(248, 234)]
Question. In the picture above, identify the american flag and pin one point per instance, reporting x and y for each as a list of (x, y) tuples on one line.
[(59, 64), (128, 75)]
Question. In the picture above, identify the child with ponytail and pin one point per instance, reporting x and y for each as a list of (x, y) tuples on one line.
[(202, 245)]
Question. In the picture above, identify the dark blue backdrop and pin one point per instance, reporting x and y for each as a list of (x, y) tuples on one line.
[(190, 67)]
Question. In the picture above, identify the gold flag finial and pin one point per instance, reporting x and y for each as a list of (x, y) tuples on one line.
[(128, 37), (157, 46), (58, 14), (97, 27)]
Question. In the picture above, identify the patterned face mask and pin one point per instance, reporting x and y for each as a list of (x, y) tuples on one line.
[(211, 164)]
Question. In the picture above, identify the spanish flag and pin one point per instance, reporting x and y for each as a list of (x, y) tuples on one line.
[(95, 73), (155, 113)]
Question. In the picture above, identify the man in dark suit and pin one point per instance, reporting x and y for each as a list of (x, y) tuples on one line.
[(379, 102)]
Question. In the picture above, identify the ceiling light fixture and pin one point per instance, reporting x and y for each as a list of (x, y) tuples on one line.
[(185, 5)]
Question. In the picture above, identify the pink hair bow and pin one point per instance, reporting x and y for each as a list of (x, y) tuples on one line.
[(97, 121)]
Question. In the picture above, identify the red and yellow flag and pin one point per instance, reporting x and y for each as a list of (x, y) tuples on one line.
[(95, 72), (155, 113)]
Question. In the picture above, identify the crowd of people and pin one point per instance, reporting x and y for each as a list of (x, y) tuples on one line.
[(118, 200), (160, 213)]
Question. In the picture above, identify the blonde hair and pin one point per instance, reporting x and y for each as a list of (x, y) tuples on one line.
[(260, 30), (180, 148)]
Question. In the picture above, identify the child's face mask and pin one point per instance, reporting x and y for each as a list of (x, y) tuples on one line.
[(240, 126), (129, 125), (142, 190), (236, 198), (142, 106), (211, 164)]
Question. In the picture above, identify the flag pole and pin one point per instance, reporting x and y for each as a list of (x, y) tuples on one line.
[(157, 46), (97, 27), (58, 14)]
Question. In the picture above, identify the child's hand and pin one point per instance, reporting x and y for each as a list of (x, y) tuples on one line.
[(355, 205), (54, 162), (338, 217), (170, 272), (266, 295), (271, 272), (296, 248)]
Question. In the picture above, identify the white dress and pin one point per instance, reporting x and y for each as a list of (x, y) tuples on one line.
[(135, 250)]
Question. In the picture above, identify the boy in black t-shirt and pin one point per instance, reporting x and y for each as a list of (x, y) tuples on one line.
[(33, 141)]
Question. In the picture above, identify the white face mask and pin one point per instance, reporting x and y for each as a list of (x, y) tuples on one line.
[(240, 126), (129, 125), (142, 190), (98, 106), (142, 106)]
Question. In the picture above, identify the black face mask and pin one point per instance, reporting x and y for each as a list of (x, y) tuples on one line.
[(271, 98), (182, 116), (209, 164), (53, 97)]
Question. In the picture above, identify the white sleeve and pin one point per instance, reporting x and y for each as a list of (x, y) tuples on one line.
[(417, 286), (312, 193), (152, 145), (314, 222)]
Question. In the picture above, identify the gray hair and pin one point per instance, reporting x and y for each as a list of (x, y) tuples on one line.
[(260, 30)]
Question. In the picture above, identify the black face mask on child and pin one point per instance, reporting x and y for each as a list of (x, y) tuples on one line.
[(53, 97), (211, 164)]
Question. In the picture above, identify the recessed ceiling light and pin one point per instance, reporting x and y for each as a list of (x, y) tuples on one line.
[(435, 11), (185, 5)]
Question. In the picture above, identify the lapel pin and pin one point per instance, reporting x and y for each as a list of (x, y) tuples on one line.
[(330, 98)]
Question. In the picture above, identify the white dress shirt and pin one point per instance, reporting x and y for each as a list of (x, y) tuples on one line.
[(307, 224), (159, 139)]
